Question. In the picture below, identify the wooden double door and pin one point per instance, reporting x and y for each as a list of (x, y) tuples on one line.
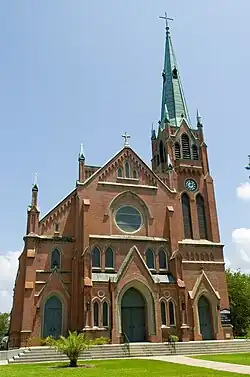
[(133, 316), (52, 325)]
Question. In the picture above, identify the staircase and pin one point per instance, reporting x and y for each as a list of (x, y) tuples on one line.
[(137, 350)]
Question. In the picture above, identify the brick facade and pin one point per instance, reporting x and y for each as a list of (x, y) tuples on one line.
[(78, 258), (85, 220)]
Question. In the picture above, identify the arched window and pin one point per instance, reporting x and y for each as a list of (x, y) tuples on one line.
[(109, 258), (185, 146), (171, 313), (162, 154), (96, 314), (163, 313), (162, 260), (55, 261), (150, 260), (105, 314), (127, 170), (195, 152), (201, 214), (134, 174), (187, 221), (96, 258), (119, 172), (177, 151)]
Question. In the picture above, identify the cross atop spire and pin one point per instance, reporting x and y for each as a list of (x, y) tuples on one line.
[(166, 18), (173, 99), (126, 138)]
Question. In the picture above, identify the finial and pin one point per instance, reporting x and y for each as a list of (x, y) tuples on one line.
[(198, 118), (248, 166), (35, 186), (126, 138), (166, 18), (81, 154)]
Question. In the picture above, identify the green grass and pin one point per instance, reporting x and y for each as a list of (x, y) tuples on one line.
[(112, 368), (233, 358)]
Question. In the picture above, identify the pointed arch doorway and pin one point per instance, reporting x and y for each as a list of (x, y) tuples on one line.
[(133, 316), (52, 323), (205, 318)]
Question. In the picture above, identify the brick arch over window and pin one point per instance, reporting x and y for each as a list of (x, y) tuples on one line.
[(96, 258), (186, 213), (150, 259), (185, 146), (201, 215), (131, 198), (109, 258), (55, 259)]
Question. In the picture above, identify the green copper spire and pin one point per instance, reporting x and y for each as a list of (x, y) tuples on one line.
[(172, 93)]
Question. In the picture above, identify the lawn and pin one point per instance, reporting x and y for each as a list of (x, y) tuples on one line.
[(114, 368), (233, 358)]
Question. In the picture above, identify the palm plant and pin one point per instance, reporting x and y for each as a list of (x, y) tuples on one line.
[(73, 345)]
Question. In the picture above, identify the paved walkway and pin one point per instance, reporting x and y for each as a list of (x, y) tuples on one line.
[(226, 367)]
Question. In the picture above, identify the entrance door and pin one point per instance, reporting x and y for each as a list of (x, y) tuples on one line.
[(133, 316), (52, 318), (205, 318)]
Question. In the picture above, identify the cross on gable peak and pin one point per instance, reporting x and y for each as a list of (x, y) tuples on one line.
[(126, 137)]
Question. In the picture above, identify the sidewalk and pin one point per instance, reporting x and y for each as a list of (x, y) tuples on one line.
[(235, 368)]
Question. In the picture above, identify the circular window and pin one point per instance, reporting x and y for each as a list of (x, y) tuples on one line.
[(128, 219)]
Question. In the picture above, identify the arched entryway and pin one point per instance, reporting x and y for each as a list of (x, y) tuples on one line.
[(52, 323), (133, 316), (205, 318)]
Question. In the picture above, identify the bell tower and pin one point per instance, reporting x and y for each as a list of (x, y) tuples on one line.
[(179, 154)]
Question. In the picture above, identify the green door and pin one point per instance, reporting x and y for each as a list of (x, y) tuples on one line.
[(205, 318), (52, 318), (133, 316)]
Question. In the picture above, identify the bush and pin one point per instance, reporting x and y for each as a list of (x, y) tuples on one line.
[(73, 345)]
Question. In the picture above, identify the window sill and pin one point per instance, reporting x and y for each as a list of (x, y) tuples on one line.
[(96, 269), (165, 327), (109, 269)]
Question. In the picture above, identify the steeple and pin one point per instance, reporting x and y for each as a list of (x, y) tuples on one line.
[(81, 165), (173, 99)]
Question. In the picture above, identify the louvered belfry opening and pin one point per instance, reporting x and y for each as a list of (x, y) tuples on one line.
[(185, 147), (162, 152), (195, 152), (187, 220), (177, 151), (201, 214)]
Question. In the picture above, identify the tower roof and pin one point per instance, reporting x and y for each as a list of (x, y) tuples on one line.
[(173, 99)]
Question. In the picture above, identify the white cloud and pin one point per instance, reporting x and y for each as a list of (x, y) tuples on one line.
[(8, 268), (241, 257), (243, 191)]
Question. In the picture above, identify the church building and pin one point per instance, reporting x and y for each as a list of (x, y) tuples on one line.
[(133, 253)]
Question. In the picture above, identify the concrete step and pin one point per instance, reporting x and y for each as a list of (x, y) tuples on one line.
[(40, 354)]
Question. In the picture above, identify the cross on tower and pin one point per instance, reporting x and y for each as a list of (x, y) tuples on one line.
[(166, 18), (126, 137)]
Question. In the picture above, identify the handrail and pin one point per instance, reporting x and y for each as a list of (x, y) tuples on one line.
[(126, 338)]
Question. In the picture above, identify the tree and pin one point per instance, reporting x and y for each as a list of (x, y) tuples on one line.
[(239, 298), (73, 345), (4, 324)]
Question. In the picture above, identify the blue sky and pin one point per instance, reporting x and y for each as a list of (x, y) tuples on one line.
[(75, 71)]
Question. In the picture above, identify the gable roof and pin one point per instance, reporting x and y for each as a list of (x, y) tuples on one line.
[(112, 159)]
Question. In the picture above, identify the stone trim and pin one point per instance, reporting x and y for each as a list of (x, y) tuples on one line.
[(199, 242), (127, 237), (127, 185)]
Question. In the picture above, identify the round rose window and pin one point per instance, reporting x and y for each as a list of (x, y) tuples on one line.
[(128, 219)]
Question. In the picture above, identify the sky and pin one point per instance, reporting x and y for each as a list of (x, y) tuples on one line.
[(79, 71)]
